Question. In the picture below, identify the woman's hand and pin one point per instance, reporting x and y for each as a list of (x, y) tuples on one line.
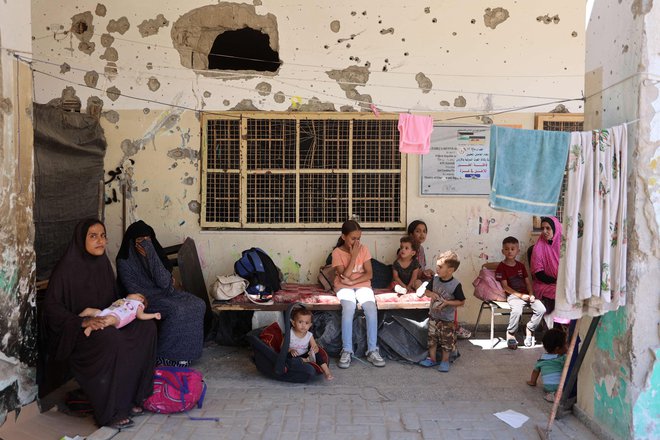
[(98, 323), (293, 352), (138, 245)]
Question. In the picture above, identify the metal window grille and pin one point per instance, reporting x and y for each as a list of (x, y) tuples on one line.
[(309, 170), (560, 122)]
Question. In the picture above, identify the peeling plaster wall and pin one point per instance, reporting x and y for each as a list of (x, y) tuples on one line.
[(17, 262), (618, 384), (398, 56)]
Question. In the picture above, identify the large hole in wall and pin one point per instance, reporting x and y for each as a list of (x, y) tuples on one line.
[(243, 49), (227, 36)]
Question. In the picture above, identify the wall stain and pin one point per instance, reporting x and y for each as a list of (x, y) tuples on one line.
[(120, 26), (195, 206), (244, 105), (335, 25), (64, 68), (494, 17), (111, 116), (113, 93), (91, 78), (153, 84), (263, 88), (547, 19), (151, 27), (314, 105), (349, 79), (279, 97), (83, 29), (424, 82), (290, 269), (110, 54), (100, 10), (107, 40), (460, 101)]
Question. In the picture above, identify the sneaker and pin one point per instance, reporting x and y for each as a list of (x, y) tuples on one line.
[(444, 367), (428, 362), (400, 290), (375, 358), (421, 290), (345, 359), (530, 341)]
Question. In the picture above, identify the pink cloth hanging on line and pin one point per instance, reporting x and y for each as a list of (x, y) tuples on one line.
[(415, 133)]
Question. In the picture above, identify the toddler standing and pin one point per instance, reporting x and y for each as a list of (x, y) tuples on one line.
[(446, 294)]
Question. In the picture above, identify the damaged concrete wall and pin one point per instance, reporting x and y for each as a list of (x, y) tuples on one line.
[(619, 383), (339, 56), (17, 263)]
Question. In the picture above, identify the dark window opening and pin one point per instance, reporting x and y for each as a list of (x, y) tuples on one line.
[(243, 49)]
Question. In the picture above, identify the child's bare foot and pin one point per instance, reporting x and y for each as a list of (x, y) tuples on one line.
[(531, 384), (329, 376)]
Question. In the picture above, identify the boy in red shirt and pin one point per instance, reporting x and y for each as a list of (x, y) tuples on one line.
[(518, 287)]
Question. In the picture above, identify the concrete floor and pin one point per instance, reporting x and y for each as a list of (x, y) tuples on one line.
[(399, 401)]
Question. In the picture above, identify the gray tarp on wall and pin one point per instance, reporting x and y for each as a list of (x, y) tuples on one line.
[(69, 149)]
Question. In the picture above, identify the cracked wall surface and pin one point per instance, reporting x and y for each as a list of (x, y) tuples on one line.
[(146, 80), (18, 355)]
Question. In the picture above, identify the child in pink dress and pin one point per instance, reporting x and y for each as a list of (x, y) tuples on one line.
[(121, 312)]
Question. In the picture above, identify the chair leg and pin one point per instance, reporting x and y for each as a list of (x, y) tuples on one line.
[(492, 325), (481, 309)]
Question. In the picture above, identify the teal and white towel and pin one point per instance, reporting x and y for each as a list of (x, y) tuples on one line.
[(526, 169)]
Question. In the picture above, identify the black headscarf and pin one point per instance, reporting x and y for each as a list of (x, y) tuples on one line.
[(141, 229), (79, 280)]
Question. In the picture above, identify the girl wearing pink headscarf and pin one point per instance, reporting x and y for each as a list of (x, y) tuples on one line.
[(545, 262)]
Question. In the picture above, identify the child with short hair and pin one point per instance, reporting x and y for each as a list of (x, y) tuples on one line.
[(551, 364), (121, 312), (446, 294), (518, 287), (405, 268), (302, 343)]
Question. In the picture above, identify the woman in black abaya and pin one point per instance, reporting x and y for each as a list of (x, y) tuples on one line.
[(114, 366)]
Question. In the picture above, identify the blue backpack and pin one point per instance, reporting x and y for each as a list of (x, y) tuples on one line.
[(258, 268)]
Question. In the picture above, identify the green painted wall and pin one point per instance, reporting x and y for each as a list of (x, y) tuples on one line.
[(612, 407), (646, 412)]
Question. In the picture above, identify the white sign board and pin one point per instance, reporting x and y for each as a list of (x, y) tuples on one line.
[(458, 162)]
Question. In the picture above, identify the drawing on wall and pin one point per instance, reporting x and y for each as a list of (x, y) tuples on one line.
[(458, 162)]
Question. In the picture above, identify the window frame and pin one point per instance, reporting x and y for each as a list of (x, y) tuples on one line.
[(242, 223)]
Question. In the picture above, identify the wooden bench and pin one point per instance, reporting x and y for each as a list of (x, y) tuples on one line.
[(315, 298)]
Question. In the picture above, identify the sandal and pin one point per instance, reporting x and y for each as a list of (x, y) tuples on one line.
[(137, 411), (121, 423), (512, 344), (428, 362)]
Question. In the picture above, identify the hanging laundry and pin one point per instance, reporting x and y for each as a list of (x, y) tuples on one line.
[(526, 169), (415, 133), (592, 270)]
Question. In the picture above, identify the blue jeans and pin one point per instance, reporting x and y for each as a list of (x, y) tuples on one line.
[(349, 299)]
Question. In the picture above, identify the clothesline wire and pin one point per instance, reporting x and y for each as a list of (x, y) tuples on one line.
[(279, 78), (321, 66), (232, 115)]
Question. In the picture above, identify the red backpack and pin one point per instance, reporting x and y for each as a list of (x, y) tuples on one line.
[(176, 389)]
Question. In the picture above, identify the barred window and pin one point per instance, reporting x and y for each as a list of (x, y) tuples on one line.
[(307, 170), (559, 122)]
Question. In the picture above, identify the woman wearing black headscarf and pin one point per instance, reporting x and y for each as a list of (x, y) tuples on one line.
[(143, 267), (114, 366)]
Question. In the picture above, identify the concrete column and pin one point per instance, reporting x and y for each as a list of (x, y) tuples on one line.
[(619, 382)]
